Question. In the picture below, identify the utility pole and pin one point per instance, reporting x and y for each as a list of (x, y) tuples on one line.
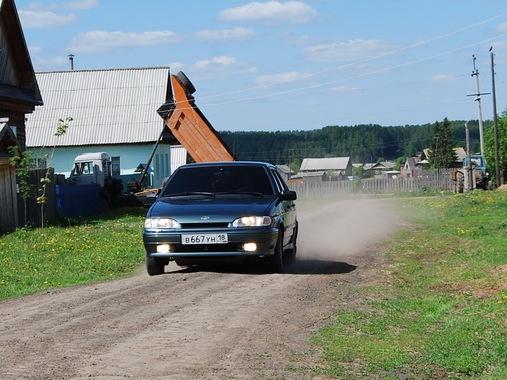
[(499, 180), (468, 170), (477, 95)]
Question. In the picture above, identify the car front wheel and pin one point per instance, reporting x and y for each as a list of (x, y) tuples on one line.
[(291, 253), (155, 266), (276, 261)]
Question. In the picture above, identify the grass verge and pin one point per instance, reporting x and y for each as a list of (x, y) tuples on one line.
[(85, 250), (441, 311)]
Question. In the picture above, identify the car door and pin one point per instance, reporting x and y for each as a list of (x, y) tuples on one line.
[(288, 207)]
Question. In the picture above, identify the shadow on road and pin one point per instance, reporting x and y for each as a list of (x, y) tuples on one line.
[(320, 267), (300, 267)]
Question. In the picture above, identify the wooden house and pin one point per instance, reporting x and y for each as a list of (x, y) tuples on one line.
[(19, 94), (325, 169)]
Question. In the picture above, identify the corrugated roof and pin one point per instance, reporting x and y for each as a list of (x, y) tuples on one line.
[(117, 106), (324, 164)]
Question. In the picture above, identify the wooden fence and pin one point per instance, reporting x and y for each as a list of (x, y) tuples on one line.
[(29, 210), (434, 180), (8, 206)]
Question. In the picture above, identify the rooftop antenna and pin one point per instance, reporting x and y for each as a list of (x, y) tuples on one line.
[(71, 61)]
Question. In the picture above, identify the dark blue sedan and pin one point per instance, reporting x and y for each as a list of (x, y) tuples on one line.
[(208, 211)]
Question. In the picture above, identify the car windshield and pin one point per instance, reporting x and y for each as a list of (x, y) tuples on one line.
[(215, 180)]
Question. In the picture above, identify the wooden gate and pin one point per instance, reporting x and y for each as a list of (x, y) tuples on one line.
[(8, 197)]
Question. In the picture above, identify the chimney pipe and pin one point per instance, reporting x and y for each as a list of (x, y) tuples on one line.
[(71, 60)]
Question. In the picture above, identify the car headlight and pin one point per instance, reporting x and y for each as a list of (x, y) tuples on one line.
[(252, 221), (161, 223)]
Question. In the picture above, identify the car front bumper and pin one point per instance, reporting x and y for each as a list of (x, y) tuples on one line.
[(264, 238)]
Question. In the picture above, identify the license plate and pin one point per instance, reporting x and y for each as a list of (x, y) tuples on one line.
[(204, 239)]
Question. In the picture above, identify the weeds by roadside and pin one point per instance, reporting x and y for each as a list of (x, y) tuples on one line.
[(442, 311), (79, 251)]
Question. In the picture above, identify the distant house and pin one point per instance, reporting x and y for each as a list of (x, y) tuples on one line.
[(113, 111), (410, 168), (379, 169), (19, 94), (414, 165), (285, 171), (325, 169)]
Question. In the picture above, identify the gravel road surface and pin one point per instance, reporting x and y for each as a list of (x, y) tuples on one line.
[(225, 322)]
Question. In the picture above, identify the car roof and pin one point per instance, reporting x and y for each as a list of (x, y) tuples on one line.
[(230, 163)]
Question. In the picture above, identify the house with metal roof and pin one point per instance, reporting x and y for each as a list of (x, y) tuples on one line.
[(113, 111), (331, 168)]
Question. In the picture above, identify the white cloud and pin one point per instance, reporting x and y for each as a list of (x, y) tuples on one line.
[(281, 78), (352, 50), (500, 52), (46, 63), (78, 4), (442, 78), (220, 67), (274, 11), (236, 34), (96, 41), (223, 60), (44, 19), (37, 15), (502, 27), (176, 66)]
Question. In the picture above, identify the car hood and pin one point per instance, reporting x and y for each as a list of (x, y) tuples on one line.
[(215, 209)]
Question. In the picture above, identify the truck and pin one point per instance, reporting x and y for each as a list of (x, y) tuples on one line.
[(96, 168), (473, 174), (188, 125)]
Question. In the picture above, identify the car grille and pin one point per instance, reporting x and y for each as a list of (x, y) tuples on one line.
[(204, 225)]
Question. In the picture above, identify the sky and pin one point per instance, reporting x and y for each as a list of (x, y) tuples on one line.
[(292, 65)]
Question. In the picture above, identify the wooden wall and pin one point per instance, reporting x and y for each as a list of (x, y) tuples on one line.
[(8, 205)]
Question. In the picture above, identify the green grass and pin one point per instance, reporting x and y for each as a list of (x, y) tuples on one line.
[(442, 310), (84, 251)]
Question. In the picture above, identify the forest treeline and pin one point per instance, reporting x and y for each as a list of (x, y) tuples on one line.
[(363, 143)]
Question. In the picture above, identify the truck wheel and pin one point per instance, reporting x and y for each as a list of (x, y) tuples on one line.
[(276, 261), (154, 265), (185, 82)]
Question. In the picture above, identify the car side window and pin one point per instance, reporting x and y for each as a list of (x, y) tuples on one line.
[(280, 184)]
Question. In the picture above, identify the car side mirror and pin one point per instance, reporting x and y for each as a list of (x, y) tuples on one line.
[(288, 195)]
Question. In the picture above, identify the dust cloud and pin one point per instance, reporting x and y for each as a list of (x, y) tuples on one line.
[(339, 230)]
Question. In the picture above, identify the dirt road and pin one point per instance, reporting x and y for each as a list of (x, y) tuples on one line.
[(229, 322)]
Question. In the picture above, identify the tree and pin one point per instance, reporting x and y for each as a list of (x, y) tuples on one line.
[(442, 144), (61, 129), (489, 148), (22, 162)]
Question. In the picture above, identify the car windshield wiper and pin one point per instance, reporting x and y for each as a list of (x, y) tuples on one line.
[(189, 193), (236, 192)]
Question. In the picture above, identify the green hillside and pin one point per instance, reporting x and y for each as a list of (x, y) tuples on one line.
[(363, 143)]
